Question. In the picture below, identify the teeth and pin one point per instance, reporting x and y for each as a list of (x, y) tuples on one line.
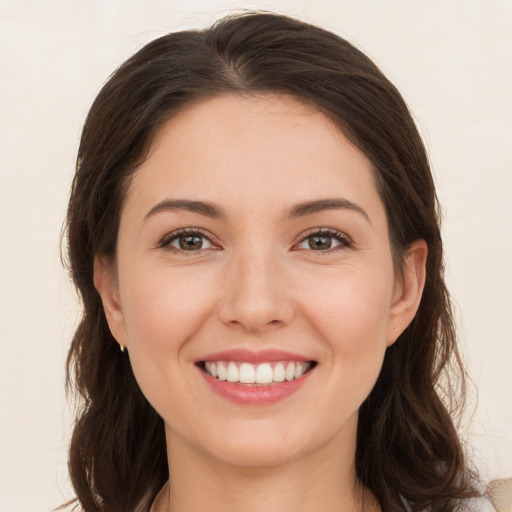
[(290, 372), (222, 372), (265, 373), (247, 373), (279, 373), (299, 370), (233, 373)]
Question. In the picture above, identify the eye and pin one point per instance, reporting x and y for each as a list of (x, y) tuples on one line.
[(324, 240), (188, 241)]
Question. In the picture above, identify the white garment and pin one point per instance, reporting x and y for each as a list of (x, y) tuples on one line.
[(480, 505)]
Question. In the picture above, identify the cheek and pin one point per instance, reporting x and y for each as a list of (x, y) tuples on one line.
[(351, 321), (163, 308), (350, 316), (353, 306)]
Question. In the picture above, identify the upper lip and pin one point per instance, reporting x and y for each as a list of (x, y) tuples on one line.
[(248, 356)]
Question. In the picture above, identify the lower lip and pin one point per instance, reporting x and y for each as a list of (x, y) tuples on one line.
[(254, 395)]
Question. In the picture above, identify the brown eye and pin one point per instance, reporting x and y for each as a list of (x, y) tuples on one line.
[(325, 240), (319, 242), (188, 241)]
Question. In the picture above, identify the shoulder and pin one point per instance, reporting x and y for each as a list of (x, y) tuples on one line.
[(500, 493)]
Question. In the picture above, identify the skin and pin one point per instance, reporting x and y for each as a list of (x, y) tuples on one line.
[(256, 284)]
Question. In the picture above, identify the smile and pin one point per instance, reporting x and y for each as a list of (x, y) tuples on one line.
[(263, 374), (255, 378)]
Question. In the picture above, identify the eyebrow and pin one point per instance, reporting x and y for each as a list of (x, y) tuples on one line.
[(320, 205), (212, 210), (201, 207)]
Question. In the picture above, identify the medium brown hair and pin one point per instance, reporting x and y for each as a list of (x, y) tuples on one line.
[(407, 444)]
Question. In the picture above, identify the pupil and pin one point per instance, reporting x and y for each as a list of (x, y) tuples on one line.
[(190, 242), (317, 242)]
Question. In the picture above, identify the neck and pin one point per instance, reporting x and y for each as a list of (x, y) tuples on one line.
[(324, 480)]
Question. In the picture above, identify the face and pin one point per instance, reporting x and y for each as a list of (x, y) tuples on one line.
[(253, 285)]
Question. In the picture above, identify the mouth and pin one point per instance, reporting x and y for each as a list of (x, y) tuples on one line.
[(249, 374), (257, 378)]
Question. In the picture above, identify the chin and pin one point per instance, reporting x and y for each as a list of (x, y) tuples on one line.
[(265, 444), (252, 455)]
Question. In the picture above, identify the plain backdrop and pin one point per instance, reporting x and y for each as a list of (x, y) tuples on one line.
[(452, 61)]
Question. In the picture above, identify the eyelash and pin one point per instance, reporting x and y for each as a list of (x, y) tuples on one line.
[(165, 243), (344, 241)]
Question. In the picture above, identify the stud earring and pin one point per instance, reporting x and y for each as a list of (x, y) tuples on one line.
[(121, 346)]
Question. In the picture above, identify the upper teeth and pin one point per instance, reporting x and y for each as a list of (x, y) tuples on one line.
[(264, 373)]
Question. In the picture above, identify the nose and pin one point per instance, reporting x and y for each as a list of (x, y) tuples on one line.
[(255, 297)]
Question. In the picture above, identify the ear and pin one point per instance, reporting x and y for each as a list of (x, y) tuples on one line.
[(105, 282), (408, 290)]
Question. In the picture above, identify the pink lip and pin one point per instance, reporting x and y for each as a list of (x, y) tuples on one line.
[(264, 356), (254, 395)]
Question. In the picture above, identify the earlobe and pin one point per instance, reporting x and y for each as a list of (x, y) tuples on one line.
[(105, 282), (408, 290)]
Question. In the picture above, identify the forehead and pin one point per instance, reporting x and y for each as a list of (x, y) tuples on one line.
[(265, 149)]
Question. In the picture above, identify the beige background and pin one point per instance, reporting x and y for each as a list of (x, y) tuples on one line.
[(450, 58)]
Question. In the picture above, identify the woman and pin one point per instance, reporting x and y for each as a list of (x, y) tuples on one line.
[(253, 230)]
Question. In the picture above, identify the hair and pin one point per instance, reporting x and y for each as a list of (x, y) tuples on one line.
[(407, 442)]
